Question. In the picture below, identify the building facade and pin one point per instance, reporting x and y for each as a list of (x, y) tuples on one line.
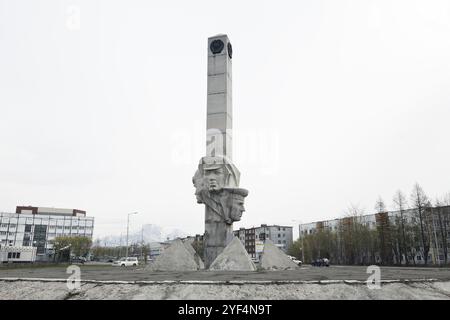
[(11, 254), (38, 226), (430, 227), (253, 238)]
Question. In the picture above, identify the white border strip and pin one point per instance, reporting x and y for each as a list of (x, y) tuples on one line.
[(222, 282)]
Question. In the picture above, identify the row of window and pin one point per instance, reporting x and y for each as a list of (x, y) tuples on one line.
[(60, 221), (59, 225), (7, 234), (11, 234), (13, 255)]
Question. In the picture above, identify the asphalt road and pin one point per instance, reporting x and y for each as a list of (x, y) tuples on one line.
[(306, 273)]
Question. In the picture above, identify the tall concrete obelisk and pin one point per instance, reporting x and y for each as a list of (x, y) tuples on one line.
[(219, 104), (216, 180)]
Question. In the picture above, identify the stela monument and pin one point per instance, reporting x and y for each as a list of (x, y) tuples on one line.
[(216, 180)]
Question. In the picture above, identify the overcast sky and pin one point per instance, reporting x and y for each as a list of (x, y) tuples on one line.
[(103, 106)]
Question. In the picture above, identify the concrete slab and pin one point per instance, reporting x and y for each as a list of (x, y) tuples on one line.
[(195, 255), (174, 258), (275, 259), (233, 258)]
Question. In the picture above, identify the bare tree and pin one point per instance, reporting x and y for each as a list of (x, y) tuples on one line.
[(400, 204), (380, 207), (420, 202), (442, 214), (384, 232)]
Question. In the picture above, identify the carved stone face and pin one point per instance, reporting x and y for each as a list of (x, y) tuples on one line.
[(237, 207), (199, 185), (215, 178)]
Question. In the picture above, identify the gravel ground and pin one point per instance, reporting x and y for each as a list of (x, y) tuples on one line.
[(335, 282), (38, 290)]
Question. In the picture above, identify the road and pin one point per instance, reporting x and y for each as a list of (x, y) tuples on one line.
[(306, 273)]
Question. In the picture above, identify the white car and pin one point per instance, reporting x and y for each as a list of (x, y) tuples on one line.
[(295, 260), (126, 262)]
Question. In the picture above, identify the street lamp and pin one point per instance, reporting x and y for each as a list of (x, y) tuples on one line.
[(128, 229)]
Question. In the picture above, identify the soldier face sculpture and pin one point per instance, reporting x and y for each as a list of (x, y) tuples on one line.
[(216, 185), (237, 207), (199, 185), (213, 174), (215, 177), (233, 203)]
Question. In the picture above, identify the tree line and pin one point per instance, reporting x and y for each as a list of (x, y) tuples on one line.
[(407, 236)]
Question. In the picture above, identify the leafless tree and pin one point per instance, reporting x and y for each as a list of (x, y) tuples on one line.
[(400, 204), (380, 207), (420, 203), (442, 216)]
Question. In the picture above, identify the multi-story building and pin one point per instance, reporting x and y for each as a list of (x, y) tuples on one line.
[(38, 226), (435, 223), (253, 238)]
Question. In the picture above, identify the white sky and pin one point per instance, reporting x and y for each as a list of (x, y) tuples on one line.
[(335, 103)]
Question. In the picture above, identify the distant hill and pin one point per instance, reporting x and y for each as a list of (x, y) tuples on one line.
[(151, 233)]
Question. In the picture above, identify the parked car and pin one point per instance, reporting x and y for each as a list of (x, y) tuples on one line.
[(323, 262), (297, 262), (81, 260), (126, 262)]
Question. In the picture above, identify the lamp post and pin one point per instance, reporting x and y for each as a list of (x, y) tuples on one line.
[(128, 230)]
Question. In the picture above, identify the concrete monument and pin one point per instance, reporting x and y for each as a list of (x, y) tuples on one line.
[(216, 180), (233, 258), (275, 259)]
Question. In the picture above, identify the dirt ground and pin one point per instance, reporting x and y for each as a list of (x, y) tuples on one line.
[(38, 290), (335, 282)]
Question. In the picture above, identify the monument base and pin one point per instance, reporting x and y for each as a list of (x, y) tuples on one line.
[(217, 237)]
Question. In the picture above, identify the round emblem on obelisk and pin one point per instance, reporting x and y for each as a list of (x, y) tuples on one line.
[(216, 46), (230, 49)]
